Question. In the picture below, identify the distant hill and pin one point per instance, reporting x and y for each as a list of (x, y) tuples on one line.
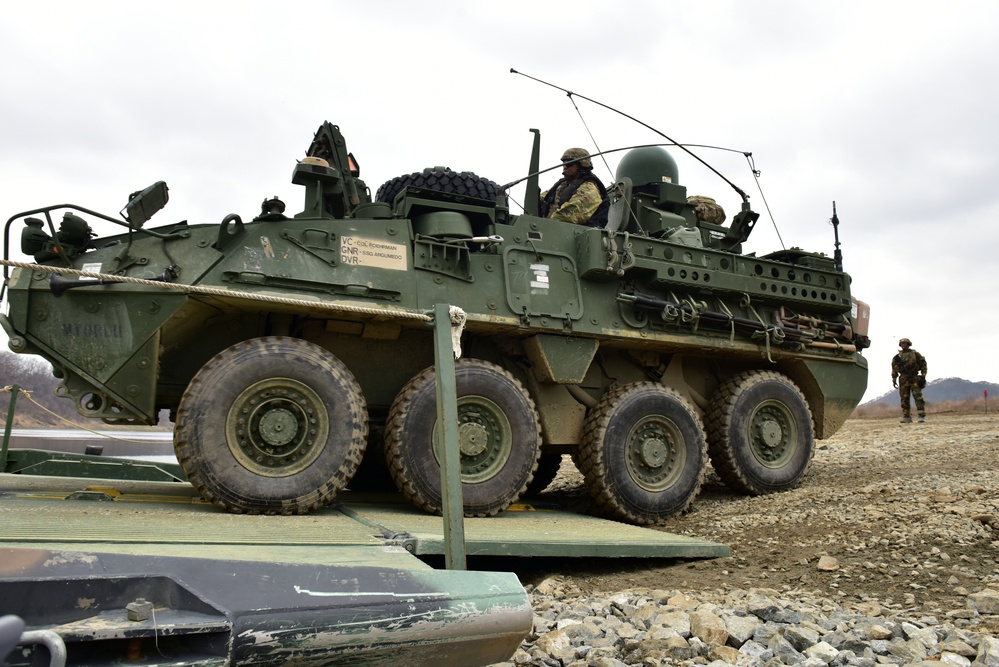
[(946, 389)]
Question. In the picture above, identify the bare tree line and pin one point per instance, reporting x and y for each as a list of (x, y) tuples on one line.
[(34, 375)]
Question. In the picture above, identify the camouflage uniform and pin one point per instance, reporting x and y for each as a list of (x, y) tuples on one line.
[(581, 205), (581, 201), (908, 367)]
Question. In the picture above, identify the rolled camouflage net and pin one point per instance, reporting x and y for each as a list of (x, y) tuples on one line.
[(707, 209)]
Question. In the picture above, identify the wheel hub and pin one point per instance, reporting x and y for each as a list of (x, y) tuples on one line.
[(655, 453), (472, 439), (772, 434), (277, 427), (485, 438)]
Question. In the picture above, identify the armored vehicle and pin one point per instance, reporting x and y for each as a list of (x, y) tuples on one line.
[(287, 346)]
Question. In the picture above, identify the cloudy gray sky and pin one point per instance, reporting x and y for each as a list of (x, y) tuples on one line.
[(887, 108)]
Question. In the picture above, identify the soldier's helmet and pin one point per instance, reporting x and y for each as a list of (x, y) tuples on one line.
[(575, 154), (905, 340)]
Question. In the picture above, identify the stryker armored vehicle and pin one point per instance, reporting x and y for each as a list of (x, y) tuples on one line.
[(286, 347)]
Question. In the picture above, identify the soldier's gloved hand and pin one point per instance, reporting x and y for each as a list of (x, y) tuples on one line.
[(894, 382)]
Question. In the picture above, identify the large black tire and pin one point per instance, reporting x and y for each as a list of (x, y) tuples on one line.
[(271, 426), (643, 454), (498, 434), (760, 433), (452, 182)]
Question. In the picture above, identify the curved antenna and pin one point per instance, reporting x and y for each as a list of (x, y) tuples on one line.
[(745, 197), (509, 185)]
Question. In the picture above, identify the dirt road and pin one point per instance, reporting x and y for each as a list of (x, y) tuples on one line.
[(906, 514)]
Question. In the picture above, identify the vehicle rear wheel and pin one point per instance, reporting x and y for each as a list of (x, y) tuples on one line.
[(643, 454), (499, 438), (271, 426), (760, 434)]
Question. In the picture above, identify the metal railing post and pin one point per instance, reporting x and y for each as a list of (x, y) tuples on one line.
[(6, 429), (447, 445)]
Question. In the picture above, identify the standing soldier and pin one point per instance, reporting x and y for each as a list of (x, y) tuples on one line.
[(908, 373)]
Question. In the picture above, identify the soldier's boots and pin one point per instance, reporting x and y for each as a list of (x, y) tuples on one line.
[(906, 419), (922, 418)]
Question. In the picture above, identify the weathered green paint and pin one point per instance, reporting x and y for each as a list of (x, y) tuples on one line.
[(560, 359), (839, 386), (253, 590), (105, 606)]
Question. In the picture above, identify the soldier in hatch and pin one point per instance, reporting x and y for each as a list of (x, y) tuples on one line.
[(908, 373), (580, 197)]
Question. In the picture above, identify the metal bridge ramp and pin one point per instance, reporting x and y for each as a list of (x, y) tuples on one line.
[(535, 530), (157, 518)]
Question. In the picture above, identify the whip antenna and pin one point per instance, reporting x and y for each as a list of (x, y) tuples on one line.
[(745, 197), (837, 253)]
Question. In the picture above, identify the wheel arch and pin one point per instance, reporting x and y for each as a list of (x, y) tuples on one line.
[(830, 389)]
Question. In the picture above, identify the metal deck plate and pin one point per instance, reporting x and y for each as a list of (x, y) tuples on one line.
[(170, 519), (525, 530)]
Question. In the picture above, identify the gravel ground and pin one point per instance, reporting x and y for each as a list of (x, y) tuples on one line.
[(887, 553)]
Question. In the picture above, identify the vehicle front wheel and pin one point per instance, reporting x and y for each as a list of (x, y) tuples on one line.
[(271, 426)]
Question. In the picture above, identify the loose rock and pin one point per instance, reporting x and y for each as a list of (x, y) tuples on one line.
[(887, 554)]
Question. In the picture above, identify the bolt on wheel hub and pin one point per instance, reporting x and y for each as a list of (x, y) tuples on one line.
[(472, 439), (274, 427), (654, 452), (771, 433), (278, 427)]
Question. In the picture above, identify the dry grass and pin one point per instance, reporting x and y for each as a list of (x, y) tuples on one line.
[(967, 406)]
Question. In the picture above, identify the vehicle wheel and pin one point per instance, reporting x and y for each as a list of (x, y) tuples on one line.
[(760, 436), (643, 454), (454, 182), (548, 467), (271, 426), (498, 434)]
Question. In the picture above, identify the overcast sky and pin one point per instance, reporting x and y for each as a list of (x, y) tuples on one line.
[(887, 108)]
